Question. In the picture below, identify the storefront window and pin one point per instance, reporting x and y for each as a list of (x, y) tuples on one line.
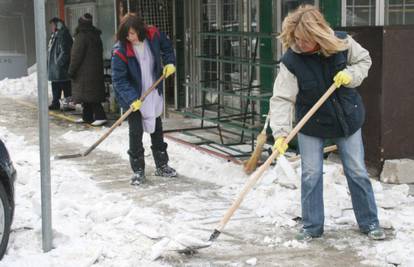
[(360, 12), (399, 12), (363, 12)]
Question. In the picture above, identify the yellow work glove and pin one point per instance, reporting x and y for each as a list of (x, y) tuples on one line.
[(168, 70), (342, 78), (280, 145), (136, 105)]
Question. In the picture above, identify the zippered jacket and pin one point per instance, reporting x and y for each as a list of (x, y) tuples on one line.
[(126, 71)]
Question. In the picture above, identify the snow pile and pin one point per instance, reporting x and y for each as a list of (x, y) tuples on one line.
[(276, 198), (22, 87), (90, 226)]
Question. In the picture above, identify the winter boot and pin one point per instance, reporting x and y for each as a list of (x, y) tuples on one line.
[(376, 234), (161, 164), (303, 236), (138, 177), (54, 106), (138, 166)]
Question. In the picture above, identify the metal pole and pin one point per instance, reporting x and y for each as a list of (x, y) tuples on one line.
[(175, 40), (40, 29), (164, 113)]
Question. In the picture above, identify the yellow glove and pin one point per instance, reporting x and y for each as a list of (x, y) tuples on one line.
[(168, 70), (136, 105), (280, 145), (342, 78)]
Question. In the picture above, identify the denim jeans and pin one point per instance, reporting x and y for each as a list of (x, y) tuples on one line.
[(351, 150)]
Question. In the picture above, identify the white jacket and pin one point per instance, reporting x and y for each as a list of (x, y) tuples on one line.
[(285, 88)]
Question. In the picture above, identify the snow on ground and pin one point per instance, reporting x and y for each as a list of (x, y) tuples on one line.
[(91, 225)]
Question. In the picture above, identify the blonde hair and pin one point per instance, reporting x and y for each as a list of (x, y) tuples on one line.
[(309, 24)]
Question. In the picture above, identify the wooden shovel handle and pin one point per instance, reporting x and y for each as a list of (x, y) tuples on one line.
[(122, 118), (258, 173)]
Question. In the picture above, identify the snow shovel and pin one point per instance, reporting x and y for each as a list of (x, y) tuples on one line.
[(257, 174), (116, 124), (251, 164)]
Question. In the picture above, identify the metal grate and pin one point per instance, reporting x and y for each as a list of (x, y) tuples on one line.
[(157, 13), (74, 12)]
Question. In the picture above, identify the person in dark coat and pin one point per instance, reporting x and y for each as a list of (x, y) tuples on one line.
[(136, 64), (60, 44), (86, 71)]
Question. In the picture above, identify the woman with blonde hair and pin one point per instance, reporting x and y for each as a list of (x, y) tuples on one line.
[(315, 57)]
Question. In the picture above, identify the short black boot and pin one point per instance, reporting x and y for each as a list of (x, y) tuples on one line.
[(138, 177), (54, 106), (138, 166), (161, 164)]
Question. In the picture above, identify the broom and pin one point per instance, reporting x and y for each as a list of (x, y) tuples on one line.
[(251, 164)]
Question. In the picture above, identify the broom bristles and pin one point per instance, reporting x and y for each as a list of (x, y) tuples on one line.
[(251, 164)]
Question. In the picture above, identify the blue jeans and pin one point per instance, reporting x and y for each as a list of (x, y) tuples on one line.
[(351, 151)]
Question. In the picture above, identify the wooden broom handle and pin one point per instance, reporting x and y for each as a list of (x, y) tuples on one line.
[(258, 173), (122, 118)]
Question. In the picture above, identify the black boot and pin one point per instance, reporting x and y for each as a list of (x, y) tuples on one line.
[(54, 106), (161, 164), (138, 177), (138, 166)]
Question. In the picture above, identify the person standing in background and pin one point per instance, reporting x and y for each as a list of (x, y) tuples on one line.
[(87, 73), (60, 44)]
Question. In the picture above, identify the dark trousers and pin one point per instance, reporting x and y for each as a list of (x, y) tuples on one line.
[(92, 112), (57, 88), (136, 148)]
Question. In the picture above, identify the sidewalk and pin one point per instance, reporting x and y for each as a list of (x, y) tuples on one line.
[(247, 237)]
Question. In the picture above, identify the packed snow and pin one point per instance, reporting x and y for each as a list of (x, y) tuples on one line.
[(92, 226)]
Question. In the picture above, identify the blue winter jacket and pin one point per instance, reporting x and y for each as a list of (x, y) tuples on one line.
[(126, 71)]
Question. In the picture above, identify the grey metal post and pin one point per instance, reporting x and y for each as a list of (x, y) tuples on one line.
[(40, 29), (164, 113)]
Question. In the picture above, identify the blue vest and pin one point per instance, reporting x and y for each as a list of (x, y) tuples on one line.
[(343, 112)]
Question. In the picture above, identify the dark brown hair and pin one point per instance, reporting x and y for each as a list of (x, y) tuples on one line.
[(134, 21)]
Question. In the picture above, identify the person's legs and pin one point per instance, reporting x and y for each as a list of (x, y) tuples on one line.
[(87, 112), (136, 148), (311, 151), (351, 150), (159, 152), (66, 103), (56, 93), (98, 111), (67, 88)]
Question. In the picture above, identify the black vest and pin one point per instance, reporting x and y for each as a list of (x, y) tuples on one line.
[(343, 112)]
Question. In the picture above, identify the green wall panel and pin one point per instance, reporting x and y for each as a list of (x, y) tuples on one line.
[(332, 11), (180, 51), (267, 75)]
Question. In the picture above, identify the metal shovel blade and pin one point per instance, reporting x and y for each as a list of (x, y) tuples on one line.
[(191, 250), (191, 244), (69, 156)]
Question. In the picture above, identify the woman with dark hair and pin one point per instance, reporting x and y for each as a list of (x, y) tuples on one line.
[(136, 65), (86, 71)]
